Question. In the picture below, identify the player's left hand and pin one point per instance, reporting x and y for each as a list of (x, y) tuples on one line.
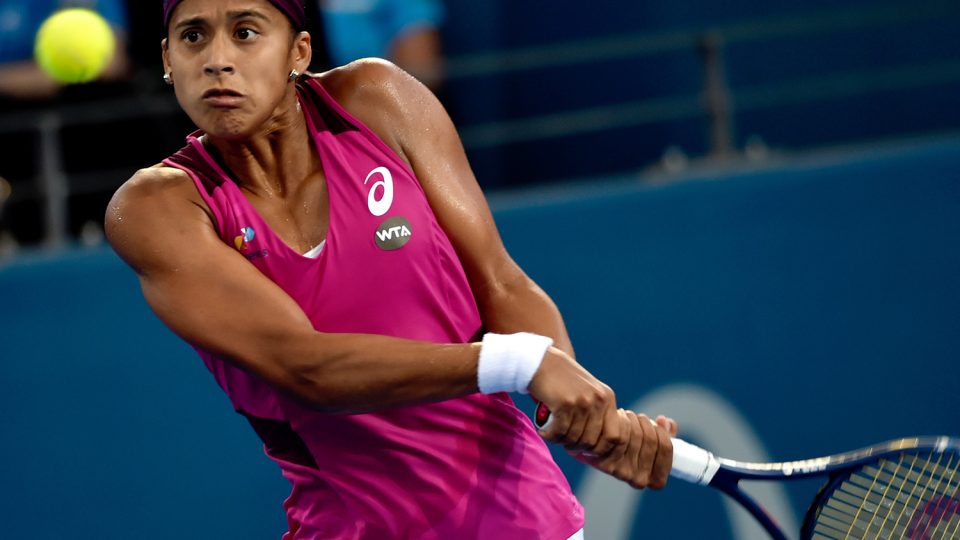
[(646, 458)]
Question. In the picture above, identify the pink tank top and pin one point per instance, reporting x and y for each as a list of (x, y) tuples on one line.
[(466, 468)]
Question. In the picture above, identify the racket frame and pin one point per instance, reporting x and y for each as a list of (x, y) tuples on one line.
[(836, 467), (696, 465)]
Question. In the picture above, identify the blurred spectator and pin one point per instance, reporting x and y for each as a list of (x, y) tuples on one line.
[(403, 31), (20, 76)]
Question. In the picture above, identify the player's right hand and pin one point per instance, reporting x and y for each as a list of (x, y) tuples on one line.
[(583, 410)]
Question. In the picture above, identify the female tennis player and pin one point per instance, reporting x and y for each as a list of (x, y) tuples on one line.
[(323, 244)]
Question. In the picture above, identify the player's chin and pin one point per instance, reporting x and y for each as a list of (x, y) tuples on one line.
[(228, 125)]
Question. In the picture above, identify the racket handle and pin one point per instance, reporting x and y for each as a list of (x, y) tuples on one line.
[(690, 462)]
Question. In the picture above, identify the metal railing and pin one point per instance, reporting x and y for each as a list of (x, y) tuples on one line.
[(715, 102), (52, 184)]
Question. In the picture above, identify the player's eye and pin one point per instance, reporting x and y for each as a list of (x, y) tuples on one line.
[(191, 36), (246, 34)]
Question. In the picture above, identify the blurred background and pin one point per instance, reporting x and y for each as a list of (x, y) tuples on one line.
[(748, 212)]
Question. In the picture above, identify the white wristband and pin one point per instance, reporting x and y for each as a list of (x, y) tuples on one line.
[(507, 362)]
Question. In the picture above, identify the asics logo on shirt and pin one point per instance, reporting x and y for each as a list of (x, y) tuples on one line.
[(382, 188), (394, 232)]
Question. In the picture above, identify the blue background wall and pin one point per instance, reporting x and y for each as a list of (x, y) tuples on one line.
[(801, 74), (817, 299)]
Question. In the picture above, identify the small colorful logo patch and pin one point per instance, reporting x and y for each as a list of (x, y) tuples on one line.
[(246, 236)]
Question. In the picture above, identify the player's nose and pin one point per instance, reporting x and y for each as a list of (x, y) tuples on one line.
[(219, 57)]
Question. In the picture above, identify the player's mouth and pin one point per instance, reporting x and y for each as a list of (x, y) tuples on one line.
[(222, 97)]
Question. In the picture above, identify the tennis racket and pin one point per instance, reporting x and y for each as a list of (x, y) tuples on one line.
[(906, 488)]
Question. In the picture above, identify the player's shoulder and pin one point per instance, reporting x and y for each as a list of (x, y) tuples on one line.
[(382, 96), (152, 182), (149, 193), (153, 204), (370, 75), (369, 85)]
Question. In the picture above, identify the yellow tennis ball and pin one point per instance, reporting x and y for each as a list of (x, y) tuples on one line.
[(74, 45)]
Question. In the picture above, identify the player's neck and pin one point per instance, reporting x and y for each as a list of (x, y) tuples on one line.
[(274, 161)]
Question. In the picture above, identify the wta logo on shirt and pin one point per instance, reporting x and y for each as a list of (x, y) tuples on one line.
[(395, 232), (242, 242)]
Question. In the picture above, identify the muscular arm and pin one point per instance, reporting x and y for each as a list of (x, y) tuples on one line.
[(410, 119), (509, 301), (212, 297)]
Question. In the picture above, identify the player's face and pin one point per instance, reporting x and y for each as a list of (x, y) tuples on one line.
[(230, 61)]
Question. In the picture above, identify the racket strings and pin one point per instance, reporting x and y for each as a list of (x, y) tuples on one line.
[(955, 533), (939, 515), (907, 500), (913, 497), (920, 496), (932, 493)]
